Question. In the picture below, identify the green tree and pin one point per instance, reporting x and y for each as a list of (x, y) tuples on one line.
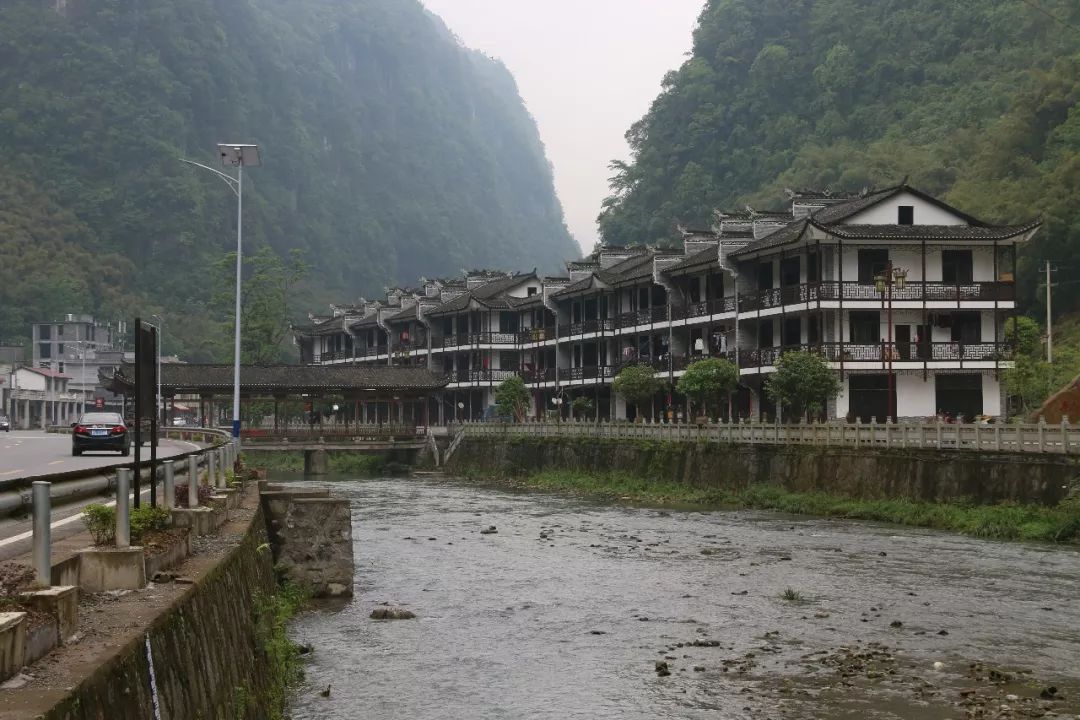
[(512, 398), (1031, 379), (637, 385), (267, 286), (581, 407), (711, 379), (803, 382)]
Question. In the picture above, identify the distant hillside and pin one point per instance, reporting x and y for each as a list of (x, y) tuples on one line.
[(390, 151), (975, 100)]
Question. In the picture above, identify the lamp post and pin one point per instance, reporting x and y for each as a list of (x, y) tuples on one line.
[(884, 283), (160, 400), (239, 157)]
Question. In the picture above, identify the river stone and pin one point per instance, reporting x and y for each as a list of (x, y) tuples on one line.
[(392, 613), (490, 530)]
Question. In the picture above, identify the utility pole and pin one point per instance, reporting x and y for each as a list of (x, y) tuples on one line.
[(1049, 316)]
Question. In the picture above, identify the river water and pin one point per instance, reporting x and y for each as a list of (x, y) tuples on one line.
[(565, 611)]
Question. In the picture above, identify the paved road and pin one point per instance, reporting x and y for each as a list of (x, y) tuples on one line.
[(33, 452)]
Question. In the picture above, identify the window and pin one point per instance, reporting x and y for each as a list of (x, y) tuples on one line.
[(792, 332), (60, 331), (956, 267), (44, 332), (966, 328), (813, 329), (45, 350), (765, 276), (789, 272), (812, 268), (865, 328), (871, 264), (906, 215), (765, 333), (60, 350)]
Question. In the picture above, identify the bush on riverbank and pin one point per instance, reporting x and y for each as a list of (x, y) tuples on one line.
[(345, 463), (1005, 521)]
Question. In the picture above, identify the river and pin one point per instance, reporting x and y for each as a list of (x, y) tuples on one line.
[(567, 609)]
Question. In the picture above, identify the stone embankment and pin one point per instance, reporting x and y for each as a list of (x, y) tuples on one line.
[(203, 639), (862, 474)]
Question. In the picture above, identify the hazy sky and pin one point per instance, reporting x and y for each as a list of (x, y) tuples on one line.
[(587, 69)]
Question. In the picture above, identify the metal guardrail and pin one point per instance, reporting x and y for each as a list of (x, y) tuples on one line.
[(1062, 439), (210, 436)]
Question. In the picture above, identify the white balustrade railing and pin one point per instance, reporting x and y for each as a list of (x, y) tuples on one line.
[(1062, 439)]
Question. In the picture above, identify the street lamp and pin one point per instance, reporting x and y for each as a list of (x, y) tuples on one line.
[(160, 400), (891, 277), (239, 157)]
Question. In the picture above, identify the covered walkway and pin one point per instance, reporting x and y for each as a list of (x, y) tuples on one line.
[(280, 399)]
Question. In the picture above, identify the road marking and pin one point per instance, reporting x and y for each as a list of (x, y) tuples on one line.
[(77, 517), (10, 472), (57, 462)]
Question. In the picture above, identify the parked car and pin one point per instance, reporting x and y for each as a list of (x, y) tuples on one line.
[(100, 431), (5, 424)]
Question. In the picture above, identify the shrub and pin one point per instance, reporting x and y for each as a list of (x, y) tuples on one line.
[(148, 518), (101, 522), (182, 491)]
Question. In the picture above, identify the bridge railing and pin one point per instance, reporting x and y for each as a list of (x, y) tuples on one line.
[(1040, 437), (331, 433)]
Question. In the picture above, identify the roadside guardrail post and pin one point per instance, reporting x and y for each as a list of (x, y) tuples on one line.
[(170, 484), (211, 468), (123, 518), (42, 509), (193, 481), (219, 481)]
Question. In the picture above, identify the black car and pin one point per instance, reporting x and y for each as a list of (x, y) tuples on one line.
[(5, 424), (100, 431)]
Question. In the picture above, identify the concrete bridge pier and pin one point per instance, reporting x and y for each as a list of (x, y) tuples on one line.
[(316, 462)]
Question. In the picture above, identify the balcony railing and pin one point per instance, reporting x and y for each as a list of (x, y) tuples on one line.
[(884, 352), (533, 335), (586, 373), (476, 338), (539, 376), (483, 376), (855, 292)]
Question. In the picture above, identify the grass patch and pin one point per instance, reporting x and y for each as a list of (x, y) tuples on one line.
[(339, 463), (1007, 521), (792, 596), (284, 666)]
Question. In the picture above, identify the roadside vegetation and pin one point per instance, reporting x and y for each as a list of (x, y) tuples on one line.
[(1004, 522)]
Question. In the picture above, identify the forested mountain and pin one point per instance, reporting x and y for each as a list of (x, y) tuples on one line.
[(974, 100), (389, 151)]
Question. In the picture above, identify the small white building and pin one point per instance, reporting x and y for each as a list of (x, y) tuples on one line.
[(38, 398)]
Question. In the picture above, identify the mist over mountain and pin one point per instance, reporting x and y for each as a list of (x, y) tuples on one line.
[(390, 151)]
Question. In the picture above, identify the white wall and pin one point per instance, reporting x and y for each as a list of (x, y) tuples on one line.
[(26, 380), (992, 396), (887, 213), (915, 398)]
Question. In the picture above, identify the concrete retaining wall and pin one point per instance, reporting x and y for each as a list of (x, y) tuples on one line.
[(867, 474), (207, 656), (311, 535)]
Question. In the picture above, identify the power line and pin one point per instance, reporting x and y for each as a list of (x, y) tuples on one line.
[(1052, 16)]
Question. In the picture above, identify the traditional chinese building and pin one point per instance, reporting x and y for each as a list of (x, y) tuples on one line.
[(904, 295)]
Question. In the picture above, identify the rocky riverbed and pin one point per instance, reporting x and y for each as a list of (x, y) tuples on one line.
[(577, 610)]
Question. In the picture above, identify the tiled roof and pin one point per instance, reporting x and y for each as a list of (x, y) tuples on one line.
[(928, 232), (782, 236), (844, 210), (194, 378), (703, 259), (47, 372), (492, 295), (406, 314)]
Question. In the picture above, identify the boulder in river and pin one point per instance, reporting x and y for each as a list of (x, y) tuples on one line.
[(489, 530), (392, 613)]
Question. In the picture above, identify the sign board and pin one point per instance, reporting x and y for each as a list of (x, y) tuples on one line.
[(99, 403)]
